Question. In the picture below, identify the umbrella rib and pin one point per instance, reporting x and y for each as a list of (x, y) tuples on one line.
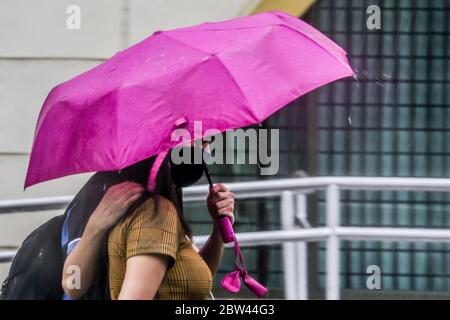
[(333, 54), (225, 29), (233, 79), (282, 17), (184, 44)]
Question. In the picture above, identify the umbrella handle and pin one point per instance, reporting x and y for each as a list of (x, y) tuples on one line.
[(208, 177), (224, 222), (226, 229)]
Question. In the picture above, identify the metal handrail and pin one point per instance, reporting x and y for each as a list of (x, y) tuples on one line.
[(260, 189), (292, 192)]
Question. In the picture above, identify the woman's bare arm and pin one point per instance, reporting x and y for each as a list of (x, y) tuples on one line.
[(212, 250), (84, 259), (83, 262), (220, 202), (143, 276)]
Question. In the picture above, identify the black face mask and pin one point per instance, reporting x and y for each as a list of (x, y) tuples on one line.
[(186, 174)]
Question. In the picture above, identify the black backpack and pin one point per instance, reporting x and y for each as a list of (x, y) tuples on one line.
[(36, 270)]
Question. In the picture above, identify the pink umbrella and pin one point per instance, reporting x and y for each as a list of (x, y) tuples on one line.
[(228, 74)]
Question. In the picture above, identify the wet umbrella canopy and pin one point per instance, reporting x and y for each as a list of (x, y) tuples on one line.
[(228, 74)]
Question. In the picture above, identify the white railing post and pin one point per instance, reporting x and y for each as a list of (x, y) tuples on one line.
[(287, 223), (332, 252), (302, 252)]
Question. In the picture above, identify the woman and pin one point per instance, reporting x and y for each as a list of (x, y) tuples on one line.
[(150, 252)]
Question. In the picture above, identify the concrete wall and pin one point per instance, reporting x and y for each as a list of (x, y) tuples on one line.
[(38, 51)]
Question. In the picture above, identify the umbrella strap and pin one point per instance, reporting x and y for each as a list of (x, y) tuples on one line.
[(151, 183), (238, 257), (231, 283)]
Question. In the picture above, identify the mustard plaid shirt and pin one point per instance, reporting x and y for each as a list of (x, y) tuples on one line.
[(147, 231)]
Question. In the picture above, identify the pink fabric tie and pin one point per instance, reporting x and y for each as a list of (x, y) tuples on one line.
[(151, 183), (231, 281)]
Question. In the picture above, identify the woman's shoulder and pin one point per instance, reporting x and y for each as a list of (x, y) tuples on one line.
[(152, 211), (153, 227), (154, 205)]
